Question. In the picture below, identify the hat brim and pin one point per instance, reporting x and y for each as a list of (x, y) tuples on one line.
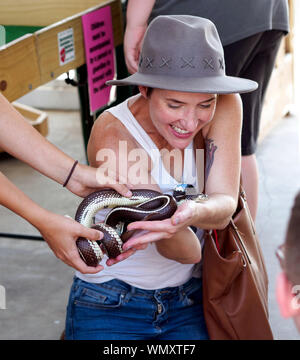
[(211, 85)]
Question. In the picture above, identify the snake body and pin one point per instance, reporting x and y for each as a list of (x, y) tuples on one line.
[(143, 205)]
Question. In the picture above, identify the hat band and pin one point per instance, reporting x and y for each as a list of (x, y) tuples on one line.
[(189, 66)]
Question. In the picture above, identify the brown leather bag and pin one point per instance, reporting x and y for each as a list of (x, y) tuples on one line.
[(235, 283)]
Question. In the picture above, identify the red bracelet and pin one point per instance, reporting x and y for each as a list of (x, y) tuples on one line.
[(70, 173)]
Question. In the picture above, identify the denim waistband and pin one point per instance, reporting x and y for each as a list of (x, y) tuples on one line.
[(122, 287)]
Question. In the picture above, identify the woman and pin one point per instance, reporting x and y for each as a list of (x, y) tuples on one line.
[(156, 293), (250, 31)]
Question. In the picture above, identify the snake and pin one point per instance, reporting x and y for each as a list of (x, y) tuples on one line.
[(144, 204)]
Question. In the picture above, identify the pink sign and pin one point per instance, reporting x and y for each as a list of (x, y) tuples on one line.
[(99, 54)]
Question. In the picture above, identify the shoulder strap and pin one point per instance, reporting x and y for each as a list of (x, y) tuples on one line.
[(199, 142)]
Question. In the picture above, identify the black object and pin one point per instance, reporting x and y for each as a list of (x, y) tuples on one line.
[(21, 236)]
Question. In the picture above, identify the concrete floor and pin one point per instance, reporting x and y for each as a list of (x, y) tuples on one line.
[(37, 283)]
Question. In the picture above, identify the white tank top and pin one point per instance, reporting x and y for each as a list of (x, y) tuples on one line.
[(147, 269)]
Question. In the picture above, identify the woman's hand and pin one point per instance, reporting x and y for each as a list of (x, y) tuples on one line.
[(176, 240), (126, 254), (163, 229)]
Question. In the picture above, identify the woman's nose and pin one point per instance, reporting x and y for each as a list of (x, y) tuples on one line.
[(190, 121)]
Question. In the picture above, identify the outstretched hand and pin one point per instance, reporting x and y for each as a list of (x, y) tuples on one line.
[(162, 229), (60, 233), (126, 254)]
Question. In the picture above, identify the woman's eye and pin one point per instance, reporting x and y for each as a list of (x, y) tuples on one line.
[(172, 106), (205, 106)]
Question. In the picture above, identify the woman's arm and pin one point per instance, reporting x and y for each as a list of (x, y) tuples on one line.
[(223, 157), (19, 138), (222, 170), (59, 231), (183, 245), (223, 162), (137, 15)]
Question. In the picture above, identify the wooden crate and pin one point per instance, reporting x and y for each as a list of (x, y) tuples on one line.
[(43, 12), (19, 67), (33, 60), (38, 119)]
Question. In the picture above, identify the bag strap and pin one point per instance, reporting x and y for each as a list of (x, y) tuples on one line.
[(199, 143)]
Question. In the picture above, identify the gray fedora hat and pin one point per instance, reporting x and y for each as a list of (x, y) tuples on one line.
[(184, 53)]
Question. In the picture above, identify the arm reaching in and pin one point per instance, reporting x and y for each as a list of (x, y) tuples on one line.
[(59, 231), (18, 138)]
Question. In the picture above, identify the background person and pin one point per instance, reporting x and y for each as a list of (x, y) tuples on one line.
[(288, 281)]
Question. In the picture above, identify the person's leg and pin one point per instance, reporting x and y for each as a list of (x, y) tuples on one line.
[(115, 310), (252, 58), (108, 311), (181, 315)]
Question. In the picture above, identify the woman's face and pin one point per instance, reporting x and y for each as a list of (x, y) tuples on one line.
[(178, 116)]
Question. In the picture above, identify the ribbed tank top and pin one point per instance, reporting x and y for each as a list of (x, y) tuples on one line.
[(147, 269)]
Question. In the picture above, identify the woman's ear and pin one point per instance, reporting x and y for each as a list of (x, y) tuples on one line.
[(143, 91), (287, 298)]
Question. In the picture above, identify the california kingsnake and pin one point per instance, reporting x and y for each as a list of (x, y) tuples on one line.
[(143, 205)]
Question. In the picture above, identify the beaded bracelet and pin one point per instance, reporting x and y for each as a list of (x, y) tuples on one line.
[(70, 173)]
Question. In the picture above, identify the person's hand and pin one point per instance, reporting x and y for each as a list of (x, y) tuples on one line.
[(60, 233), (163, 229), (132, 46), (126, 254), (86, 179)]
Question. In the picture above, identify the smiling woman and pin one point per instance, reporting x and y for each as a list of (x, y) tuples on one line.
[(176, 115), (157, 292)]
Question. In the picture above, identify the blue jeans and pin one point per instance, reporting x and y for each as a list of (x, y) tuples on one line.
[(115, 310)]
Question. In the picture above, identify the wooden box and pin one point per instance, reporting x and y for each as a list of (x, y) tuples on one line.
[(32, 60)]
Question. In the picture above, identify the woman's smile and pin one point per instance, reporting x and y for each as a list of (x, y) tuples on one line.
[(180, 133)]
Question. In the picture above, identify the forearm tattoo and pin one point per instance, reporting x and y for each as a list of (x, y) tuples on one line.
[(210, 149)]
